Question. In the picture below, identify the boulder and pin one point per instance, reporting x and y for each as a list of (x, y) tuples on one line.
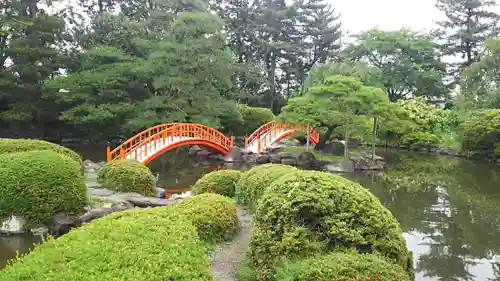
[(362, 162), (250, 158), (292, 161), (234, 155), (61, 224), (13, 225), (262, 159), (193, 150), (275, 158), (334, 147), (306, 159), (160, 192), (144, 202)]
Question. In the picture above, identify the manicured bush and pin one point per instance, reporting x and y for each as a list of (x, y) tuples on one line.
[(481, 134), (253, 183), (341, 267), (126, 175), (21, 145), (307, 212), (421, 140), (254, 117), (222, 182), (213, 215), (36, 185), (145, 245)]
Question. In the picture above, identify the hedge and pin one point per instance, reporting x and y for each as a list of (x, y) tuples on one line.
[(254, 182), (126, 175), (22, 145), (145, 245), (481, 134), (38, 184), (341, 267), (214, 216), (254, 117), (307, 212), (222, 182)]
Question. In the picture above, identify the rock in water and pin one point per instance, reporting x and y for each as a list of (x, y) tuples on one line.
[(13, 225), (306, 160), (234, 155), (160, 192)]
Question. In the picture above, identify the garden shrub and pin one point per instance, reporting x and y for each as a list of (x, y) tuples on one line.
[(145, 245), (341, 267), (214, 216), (126, 175), (222, 182), (481, 133), (21, 145), (254, 117), (307, 212), (38, 184), (421, 140), (253, 183)]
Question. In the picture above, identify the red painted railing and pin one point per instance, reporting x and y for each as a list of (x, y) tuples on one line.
[(272, 129), (156, 137)]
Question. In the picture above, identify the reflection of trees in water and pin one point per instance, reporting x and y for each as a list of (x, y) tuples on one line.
[(178, 170), (10, 245), (453, 203)]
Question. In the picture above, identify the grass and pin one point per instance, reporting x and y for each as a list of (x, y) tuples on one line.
[(96, 201)]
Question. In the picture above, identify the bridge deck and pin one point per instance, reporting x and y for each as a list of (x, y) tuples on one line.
[(142, 152)]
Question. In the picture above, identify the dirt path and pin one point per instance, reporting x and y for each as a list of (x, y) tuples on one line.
[(226, 259)]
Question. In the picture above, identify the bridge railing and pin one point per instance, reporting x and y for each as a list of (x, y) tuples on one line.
[(142, 142), (266, 128)]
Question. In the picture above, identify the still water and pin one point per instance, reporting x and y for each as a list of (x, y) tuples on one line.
[(448, 208)]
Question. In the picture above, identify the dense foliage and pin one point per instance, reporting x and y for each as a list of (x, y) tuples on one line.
[(255, 181), (341, 267), (308, 212), (126, 175), (221, 182), (36, 185), (20, 145), (148, 245), (213, 215)]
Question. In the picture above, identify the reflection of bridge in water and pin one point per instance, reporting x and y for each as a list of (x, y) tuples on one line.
[(153, 142)]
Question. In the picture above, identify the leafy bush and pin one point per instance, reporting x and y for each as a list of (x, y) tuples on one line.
[(38, 184), (481, 133), (126, 175), (21, 145), (253, 183), (254, 117), (214, 216), (341, 267), (145, 245), (222, 182), (307, 212), (421, 140)]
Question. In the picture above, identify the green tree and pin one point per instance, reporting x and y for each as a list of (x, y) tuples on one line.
[(468, 24), (340, 102), (409, 61)]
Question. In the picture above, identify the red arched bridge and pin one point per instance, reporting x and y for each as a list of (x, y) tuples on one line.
[(153, 142)]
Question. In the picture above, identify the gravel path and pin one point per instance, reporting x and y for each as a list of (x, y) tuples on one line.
[(226, 259)]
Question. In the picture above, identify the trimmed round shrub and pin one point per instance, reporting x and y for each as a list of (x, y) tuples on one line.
[(38, 184), (126, 175), (341, 267), (21, 145), (254, 182), (254, 117), (145, 245), (214, 216), (307, 212), (222, 182)]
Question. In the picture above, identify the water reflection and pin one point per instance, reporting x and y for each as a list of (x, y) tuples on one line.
[(10, 246), (449, 210)]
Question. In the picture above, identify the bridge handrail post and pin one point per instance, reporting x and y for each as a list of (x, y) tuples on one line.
[(108, 154)]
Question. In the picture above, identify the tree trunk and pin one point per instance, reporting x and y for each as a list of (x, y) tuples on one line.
[(323, 138)]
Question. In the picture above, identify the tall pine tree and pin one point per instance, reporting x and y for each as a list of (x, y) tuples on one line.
[(468, 24)]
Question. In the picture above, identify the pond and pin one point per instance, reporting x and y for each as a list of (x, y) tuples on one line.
[(448, 208)]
